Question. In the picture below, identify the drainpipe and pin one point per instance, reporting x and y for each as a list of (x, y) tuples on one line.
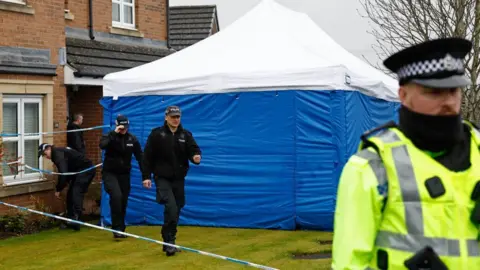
[(90, 19), (168, 23)]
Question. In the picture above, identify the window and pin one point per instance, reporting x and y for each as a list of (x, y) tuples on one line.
[(21, 116), (123, 13), (14, 1)]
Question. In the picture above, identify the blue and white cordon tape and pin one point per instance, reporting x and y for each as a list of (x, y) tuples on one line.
[(67, 173), (142, 238), (51, 132)]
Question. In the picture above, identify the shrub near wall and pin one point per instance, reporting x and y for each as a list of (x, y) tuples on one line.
[(17, 222)]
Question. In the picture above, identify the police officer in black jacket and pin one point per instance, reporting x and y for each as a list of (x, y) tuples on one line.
[(167, 152), (119, 145), (67, 160), (75, 139)]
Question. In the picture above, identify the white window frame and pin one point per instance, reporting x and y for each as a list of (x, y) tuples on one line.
[(20, 2), (22, 177), (122, 24)]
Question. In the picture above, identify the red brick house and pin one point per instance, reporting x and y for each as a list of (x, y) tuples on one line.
[(53, 56)]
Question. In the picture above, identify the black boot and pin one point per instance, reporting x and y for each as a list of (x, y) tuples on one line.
[(65, 224), (174, 237), (169, 250), (118, 236), (165, 238), (75, 226)]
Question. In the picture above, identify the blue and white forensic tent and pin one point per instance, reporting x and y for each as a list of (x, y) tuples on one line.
[(277, 107)]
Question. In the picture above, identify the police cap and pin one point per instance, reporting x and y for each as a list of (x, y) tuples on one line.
[(122, 120), (437, 63), (42, 147), (173, 111)]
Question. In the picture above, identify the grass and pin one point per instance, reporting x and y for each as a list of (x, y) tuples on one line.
[(94, 249)]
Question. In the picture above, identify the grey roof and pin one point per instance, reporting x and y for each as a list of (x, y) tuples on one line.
[(191, 24), (19, 60), (94, 58)]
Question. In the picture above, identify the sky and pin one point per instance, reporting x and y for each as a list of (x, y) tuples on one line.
[(341, 19)]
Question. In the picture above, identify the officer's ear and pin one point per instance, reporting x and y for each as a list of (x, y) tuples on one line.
[(402, 94)]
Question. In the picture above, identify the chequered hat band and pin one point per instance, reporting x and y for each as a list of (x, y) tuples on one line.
[(448, 63)]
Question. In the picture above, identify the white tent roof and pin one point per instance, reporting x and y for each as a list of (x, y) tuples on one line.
[(270, 47)]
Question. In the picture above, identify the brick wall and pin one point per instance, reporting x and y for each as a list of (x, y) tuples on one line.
[(86, 101), (44, 30), (28, 200), (150, 16)]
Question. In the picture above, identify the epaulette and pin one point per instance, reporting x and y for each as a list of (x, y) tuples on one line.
[(365, 142), (472, 127), (472, 123)]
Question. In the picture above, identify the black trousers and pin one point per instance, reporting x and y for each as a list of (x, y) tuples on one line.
[(118, 188), (77, 188), (170, 193)]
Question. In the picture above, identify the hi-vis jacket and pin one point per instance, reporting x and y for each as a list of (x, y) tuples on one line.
[(404, 218)]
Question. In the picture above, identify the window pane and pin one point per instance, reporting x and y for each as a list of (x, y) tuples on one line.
[(128, 1), (10, 151), (128, 14), (31, 118), (115, 12), (10, 118), (31, 154)]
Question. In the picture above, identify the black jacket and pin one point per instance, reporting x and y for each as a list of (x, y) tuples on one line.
[(75, 139), (167, 154), (118, 152), (66, 160)]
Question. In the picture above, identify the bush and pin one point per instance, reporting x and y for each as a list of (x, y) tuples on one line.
[(21, 223), (13, 223)]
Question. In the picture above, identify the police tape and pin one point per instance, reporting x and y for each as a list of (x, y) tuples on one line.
[(51, 132), (11, 163), (48, 171), (67, 173), (142, 238)]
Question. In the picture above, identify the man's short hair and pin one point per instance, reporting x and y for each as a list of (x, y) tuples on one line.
[(76, 116)]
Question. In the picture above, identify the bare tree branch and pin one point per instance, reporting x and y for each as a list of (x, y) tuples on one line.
[(402, 23)]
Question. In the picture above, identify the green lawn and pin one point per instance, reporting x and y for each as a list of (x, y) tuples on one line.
[(95, 249)]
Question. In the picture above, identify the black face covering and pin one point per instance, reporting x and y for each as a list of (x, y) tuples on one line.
[(431, 133)]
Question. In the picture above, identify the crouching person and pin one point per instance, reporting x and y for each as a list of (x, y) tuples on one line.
[(68, 160)]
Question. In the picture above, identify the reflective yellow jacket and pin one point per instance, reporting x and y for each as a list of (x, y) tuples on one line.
[(383, 204)]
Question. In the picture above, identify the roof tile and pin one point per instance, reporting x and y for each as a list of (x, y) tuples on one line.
[(190, 24), (97, 58)]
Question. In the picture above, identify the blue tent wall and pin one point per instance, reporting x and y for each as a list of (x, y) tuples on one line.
[(329, 126), (271, 159)]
